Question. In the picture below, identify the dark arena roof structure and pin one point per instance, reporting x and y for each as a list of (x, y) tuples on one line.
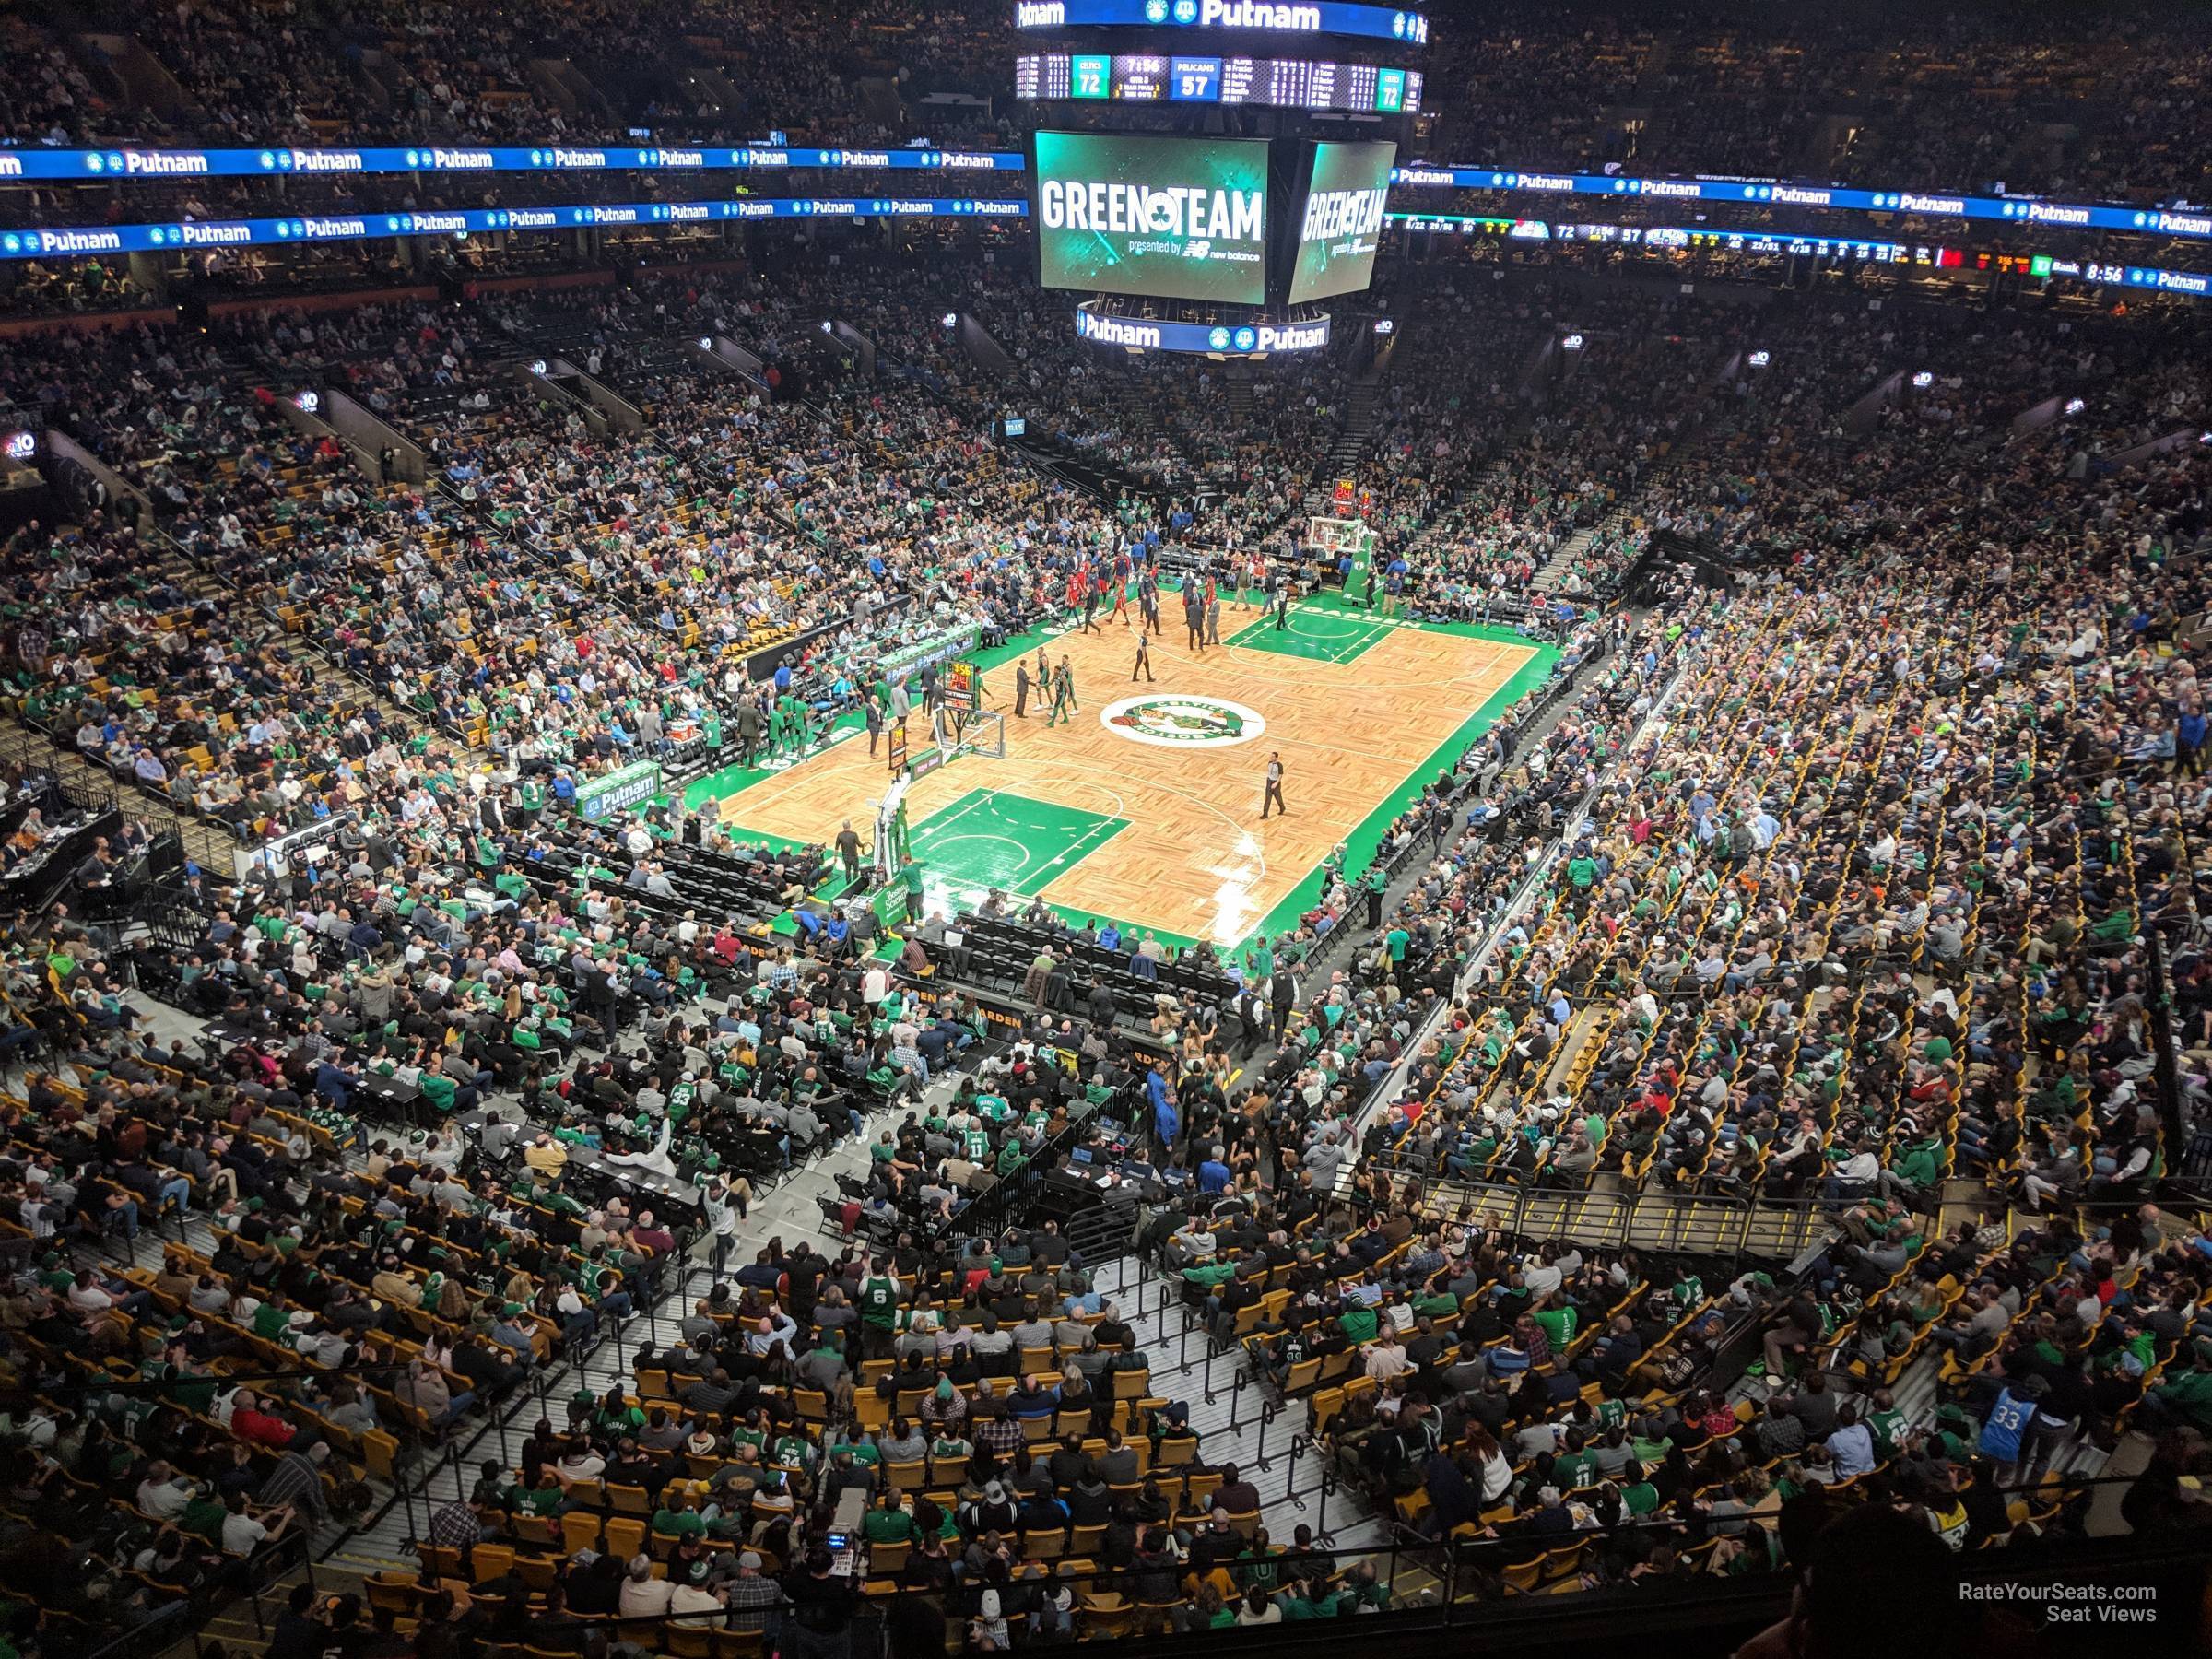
[(617, 1037)]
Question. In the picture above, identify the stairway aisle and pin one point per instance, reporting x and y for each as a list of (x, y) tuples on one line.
[(1358, 428), (1232, 1424), (1570, 552), (788, 1211)]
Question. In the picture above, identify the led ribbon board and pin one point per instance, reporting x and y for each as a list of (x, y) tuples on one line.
[(1219, 339), (1675, 238), (1776, 192), (91, 240), (113, 166), (1248, 16)]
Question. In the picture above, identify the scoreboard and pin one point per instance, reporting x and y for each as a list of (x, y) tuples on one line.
[(1278, 83), (1043, 77), (1247, 16), (1142, 77)]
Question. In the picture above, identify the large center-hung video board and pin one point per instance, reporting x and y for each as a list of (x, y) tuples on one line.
[(1176, 218), (1340, 225)]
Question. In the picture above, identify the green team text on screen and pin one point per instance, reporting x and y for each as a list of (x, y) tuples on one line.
[(1182, 218), (1342, 220)]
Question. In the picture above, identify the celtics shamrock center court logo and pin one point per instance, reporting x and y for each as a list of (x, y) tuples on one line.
[(1183, 722)]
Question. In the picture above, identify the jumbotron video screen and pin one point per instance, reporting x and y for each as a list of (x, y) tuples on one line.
[(1340, 225), (1171, 217)]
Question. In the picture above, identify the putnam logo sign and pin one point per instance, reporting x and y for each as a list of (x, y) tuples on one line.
[(1183, 722)]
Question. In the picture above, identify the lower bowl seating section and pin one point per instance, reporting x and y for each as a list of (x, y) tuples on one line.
[(1001, 954)]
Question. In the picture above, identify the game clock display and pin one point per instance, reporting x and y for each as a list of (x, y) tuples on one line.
[(1275, 83)]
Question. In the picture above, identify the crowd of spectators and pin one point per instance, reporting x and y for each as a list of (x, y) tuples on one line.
[(1695, 1003), (1827, 873), (2096, 105), (382, 73), (2099, 103)]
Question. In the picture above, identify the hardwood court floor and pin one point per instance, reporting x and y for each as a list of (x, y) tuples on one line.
[(1165, 835)]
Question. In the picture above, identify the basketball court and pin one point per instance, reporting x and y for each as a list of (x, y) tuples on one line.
[(1144, 808), (1322, 636)]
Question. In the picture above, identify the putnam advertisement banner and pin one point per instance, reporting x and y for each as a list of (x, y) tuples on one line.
[(124, 165), (62, 241), (1254, 17), (2192, 223), (1213, 339), (618, 791), (910, 660)]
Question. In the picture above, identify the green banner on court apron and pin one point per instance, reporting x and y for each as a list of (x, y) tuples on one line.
[(614, 792)]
